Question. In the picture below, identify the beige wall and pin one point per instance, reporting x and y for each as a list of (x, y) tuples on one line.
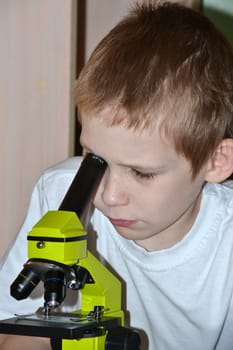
[(221, 13), (36, 73), (102, 15)]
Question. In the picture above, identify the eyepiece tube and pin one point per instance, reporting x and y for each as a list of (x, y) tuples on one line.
[(84, 185)]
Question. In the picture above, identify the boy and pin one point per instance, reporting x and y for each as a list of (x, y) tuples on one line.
[(155, 101)]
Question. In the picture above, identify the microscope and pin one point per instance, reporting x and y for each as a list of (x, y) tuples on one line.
[(58, 257)]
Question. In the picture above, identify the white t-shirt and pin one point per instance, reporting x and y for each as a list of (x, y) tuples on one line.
[(181, 297)]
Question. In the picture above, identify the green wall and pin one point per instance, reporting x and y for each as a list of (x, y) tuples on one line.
[(221, 13)]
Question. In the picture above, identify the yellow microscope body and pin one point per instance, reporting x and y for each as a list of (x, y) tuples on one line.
[(58, 256), (59, 236)]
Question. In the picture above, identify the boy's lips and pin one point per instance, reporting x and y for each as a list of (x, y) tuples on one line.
[(122, 222)]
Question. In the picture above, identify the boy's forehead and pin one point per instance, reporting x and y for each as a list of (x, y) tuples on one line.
[(95, 127), (149, 126), (111, 115), (120, 145)]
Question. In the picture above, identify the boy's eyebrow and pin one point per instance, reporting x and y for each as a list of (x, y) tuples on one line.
[(144, 167)]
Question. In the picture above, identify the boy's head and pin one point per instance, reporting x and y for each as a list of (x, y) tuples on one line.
[(164, 65)]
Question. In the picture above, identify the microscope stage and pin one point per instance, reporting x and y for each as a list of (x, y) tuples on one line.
[(37, 326)]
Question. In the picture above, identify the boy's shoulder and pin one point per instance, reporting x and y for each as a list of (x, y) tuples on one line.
[(63, 171), (218, 198), (220, 189), (228, 184), (55, 181), (67, 166)]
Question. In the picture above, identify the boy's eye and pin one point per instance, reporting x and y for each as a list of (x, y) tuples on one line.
[(143, 175)]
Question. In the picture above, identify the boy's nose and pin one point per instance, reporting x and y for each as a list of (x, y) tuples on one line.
[(113, 192)]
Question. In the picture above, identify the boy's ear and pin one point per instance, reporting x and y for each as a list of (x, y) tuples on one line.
[(220, 165)]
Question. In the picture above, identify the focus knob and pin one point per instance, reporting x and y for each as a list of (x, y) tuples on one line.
[(122, 338)]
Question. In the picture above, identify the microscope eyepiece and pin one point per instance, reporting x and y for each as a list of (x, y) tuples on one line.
[(84, 185)]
